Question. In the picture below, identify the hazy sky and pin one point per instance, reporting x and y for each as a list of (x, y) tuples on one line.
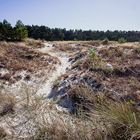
[(74, 14)]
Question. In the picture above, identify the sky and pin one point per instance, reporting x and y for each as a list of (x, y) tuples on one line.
[(74, 14)]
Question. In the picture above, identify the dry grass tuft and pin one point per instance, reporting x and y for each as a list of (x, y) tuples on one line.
[(7, 104), (123, 118), (34, 43), (2, 133)]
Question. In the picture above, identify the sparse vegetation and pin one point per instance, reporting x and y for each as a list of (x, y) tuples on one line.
[(18, 56), (102, 85), (107, 120)]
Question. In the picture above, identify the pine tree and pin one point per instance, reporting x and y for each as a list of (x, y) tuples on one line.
[(21, 31)]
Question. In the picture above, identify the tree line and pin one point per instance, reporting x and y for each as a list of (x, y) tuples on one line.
[(43, 32), (21, 31)]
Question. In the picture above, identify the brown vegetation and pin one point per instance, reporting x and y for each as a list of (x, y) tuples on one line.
[(103, 83), (19, 57), (7, 103), (107, 120), (113, 66), (34, 43), (16, 57)]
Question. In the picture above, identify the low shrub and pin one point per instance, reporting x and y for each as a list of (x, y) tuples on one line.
[(105, 41), (137, 50), (122, 40)]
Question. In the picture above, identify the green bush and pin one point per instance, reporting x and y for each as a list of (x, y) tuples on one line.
[(122, 40), (92, 54)]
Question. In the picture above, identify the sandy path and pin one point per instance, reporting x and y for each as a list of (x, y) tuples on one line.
[(46, 88)]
